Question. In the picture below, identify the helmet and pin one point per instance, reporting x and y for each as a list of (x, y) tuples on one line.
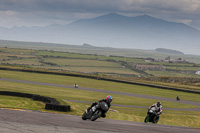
[(158, 104), (109, 99)]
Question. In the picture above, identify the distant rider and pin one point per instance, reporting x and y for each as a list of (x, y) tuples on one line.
[(158, 109), (75, 86), (108, 100), (177, 98)]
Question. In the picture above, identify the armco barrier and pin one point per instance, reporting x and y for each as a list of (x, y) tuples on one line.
[(51, 103)]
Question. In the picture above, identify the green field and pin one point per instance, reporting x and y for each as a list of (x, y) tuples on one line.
[(88, 66), (136, 53), (171, 74), (20, 103), (103, 62), (130, 114), (119, 67), (116, 66), (98, 84)]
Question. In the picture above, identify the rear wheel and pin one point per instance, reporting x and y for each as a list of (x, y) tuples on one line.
[(96, 115)]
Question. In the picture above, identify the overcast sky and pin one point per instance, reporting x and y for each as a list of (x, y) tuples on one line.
[(46, 12)]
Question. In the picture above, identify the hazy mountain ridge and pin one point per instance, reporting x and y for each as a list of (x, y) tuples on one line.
[(169, 51), (113, 30)]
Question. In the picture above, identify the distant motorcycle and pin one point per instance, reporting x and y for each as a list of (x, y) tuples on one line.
[(96, 111), (151, 116)]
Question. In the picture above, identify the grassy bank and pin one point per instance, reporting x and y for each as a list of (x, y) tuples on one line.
[(180, 118), (98, 84)]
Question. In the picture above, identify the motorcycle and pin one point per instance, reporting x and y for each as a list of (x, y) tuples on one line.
[(95, 112), (151, 116)]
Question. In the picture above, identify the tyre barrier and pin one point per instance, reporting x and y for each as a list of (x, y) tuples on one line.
[(63, 108), (51, 103)]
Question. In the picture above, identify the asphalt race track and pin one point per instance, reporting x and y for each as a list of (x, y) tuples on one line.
[(26, 121), (110, 92), (14, 121)]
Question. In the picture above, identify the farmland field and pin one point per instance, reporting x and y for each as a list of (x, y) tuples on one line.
[(112, 66), (92, 63)]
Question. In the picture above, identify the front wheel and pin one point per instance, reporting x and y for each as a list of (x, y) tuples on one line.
[(146, 120), (155, 120), (96, 115), (84, 116)]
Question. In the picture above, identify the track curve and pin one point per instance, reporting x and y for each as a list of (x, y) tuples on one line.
[(25, 121), (14, 121)]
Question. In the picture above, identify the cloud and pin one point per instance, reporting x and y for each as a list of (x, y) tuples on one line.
[(98, 5), (195, 23), (64, 11), (8, 17)]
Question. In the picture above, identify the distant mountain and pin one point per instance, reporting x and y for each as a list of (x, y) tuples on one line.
[(114, 30)]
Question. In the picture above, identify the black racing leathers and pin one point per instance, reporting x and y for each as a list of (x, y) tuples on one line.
[(95, 103)]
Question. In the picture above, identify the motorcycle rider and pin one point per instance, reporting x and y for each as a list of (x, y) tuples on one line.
[(108, 100), (158, 110)]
